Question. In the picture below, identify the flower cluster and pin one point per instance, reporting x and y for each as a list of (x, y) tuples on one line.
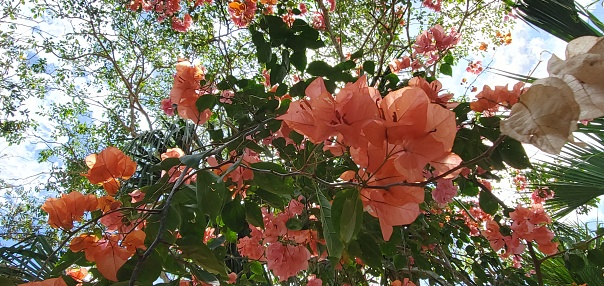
[(64, 211), (187, 89), (528, 224), (432, 42), (107, 167), (474, 217), (285, 251), (490, 100), (391, 139), (242, 12), (239, 175), (474, 67)]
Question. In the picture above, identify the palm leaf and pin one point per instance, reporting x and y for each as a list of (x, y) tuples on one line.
[(557, 17), (26, 260), (577, 174)]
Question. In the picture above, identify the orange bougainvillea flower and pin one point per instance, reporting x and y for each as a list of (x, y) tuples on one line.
[(398, 205), (490, 100), (86, 243), (78, 274), (321, 116), (187, 89), (107, 252), (483, 46), (48, 282), (432, 89), (62, 212), (107, 166), (133, 240), (110, 256), (108, 203)]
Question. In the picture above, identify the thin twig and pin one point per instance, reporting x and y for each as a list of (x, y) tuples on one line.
[(162, 227)]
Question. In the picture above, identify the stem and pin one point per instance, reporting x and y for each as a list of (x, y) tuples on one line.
[(161, 229), (537, 263)]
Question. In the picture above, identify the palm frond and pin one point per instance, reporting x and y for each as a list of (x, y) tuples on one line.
[(557, 17), (26, 259), (577, 174)]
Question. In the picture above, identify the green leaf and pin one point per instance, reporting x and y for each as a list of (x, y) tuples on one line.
[(67, 260), (334, 245), (356, 54), (347, 214), (372, 256), (278, 73), (203, 275), (193, 248), (294, 224), (488, 202), (193, 160), (513, 153), (392, 80), (233, 215), (165, 164), (446, 69), (299, 60), (298, 89), (369, 67), (253, 214), (467, 187), (270, 181), (210, 193), (281, 90), (448, 58), (461, 112), (596, 256), (574, 262), (319, 68), (152, 267), (204, 102), (263, 48), (343, 66)]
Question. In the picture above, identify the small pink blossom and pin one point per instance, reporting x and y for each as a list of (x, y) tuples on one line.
[(400, 64), (167, 107), (232, 278), (318, 21), (226, 96), (303, 9), (286, 260), (433, 4), (444, 192), (474, 67), (182, 25), (136, 196), (314, 281)]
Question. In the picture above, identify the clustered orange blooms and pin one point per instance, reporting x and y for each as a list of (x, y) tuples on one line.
[(392, 140), (490, 100), (505, 39), (110, 252), (239, 175), (187, 89), (121, 237), (405, 282), (284, 250), (528, 224), (176, 171), (108, 166), (62, 212)]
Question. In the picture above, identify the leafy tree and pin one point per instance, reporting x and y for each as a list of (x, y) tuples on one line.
[(308, 143)]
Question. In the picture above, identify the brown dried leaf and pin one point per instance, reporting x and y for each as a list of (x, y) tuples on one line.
[(546, 116)]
